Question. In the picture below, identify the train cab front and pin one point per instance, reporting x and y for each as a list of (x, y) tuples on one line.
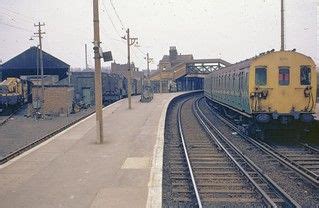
[(283, 88)]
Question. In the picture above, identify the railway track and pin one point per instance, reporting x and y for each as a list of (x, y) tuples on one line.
[(25, 148), (301, 158), (214, 172)]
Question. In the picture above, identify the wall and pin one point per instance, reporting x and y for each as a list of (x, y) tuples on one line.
[(57, 99)]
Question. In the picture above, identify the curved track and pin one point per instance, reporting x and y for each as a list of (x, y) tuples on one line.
[(302, 158), (214, 171)]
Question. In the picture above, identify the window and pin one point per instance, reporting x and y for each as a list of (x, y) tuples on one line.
[(305, 75), (284, 76), (261, 76)]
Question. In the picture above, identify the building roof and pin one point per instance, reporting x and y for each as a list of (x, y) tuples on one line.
[(28, 59), (26, 64)]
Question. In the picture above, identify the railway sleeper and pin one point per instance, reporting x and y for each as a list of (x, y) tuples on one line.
[(229, 168), (182, 189), (229, 194), (223, 186), (308, 163), (222, 180), (237, 202)]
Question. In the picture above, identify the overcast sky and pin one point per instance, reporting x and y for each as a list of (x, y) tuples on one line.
[(228, 29)]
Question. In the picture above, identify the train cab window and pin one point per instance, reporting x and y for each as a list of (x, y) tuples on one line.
[(305, 75), (261, 76), (284, 76)]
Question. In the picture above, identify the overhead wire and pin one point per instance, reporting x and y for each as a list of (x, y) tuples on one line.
[(117, 32), (26, 18), (141, 59), (16, 27), (123, 27)]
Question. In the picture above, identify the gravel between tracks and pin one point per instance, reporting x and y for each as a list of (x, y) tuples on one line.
[(298, 188)]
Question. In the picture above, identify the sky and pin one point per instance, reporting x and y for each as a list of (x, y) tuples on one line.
[(229, 29)]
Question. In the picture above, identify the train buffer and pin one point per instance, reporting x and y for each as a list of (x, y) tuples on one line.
[(71, 170)]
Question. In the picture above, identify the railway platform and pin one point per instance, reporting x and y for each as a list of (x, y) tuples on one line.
[(71, 170)]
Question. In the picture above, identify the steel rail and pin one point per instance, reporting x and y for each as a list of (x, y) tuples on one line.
[(11, 115), (310, 147), (180, 128), (250, 162), (310, 176), (218, 143)]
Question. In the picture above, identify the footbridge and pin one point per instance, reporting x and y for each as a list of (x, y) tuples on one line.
[(186, 75)]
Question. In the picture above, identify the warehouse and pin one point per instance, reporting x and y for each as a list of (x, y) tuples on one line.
[(25, 64)]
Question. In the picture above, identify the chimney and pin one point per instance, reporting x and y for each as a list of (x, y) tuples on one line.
[(172, 53)]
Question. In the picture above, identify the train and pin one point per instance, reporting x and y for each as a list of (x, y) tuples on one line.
[(114, 87), (274, 90), (14, 92)]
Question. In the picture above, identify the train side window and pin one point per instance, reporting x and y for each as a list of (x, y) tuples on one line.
[(305, 75), (261, 76), (284, 77)]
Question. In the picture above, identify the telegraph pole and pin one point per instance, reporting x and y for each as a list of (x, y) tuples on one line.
[(148, 61), (161, 81), (98, 86), (130, 42), (282, 26), (86, 57), (39, 35)]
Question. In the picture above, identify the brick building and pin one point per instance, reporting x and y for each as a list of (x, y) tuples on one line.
[(173, 59), (58, 99)]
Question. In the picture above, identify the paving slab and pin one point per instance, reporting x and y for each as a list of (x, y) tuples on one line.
[(72, 170)]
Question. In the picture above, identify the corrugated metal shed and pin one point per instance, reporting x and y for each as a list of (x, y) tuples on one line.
[(26, 64)]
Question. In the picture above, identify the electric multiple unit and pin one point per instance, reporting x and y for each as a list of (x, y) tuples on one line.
[(274, 87)]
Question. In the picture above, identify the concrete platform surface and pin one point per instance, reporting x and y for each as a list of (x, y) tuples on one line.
[(71, 170)]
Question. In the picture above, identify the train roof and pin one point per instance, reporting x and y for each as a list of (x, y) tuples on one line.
[(246, 63)]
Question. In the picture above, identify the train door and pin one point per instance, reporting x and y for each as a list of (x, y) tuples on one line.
[(241, 85)]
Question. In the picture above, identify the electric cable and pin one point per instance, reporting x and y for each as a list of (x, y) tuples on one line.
[(16, 27), (117, 32), (117, 14)]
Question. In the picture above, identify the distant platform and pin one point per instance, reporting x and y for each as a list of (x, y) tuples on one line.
[(71, 170)]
